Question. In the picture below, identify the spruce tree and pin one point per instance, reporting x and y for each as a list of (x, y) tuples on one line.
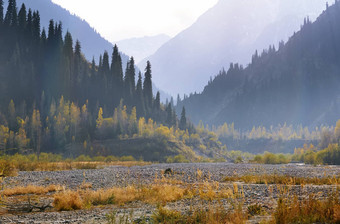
[(29, 23), (178, 101), (11, 17), (106, 66), (129, 81), (116, 67), (68, 45), (100, 65), (22, 17), (36, 26), (183, 120), (77, 49), (58, 35), (157, 102), (51, 32), (1, 12), (77, 60), (147, 87), (43, 37), (139, 96), (169, 116)]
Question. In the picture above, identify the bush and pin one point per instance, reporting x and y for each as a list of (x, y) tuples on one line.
[(67, 201)]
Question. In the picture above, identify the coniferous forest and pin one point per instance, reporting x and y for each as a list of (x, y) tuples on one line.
[(53, 100), (51, 96), (296, 82)]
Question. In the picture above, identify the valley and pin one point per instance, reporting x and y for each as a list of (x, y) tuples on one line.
[(186, 188)]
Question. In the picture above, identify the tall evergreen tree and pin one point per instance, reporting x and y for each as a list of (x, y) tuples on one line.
[(29, 23), (11, 17), (106, 66), (140, 98), (36, 26), (169, 116), (116, 66), (77, 49), (68, 45), (1, 12), (51, 32), (157, 102), (59, 34), (22, 17), (183, 120), (43, 37), (147, 87), (129, 81)]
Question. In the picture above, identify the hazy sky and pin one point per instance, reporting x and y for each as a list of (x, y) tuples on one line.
[(122, 19)]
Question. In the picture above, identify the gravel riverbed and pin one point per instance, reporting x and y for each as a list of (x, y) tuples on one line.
[(118, 176)]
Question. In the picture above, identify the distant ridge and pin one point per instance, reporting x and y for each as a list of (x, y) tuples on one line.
[(298, 83), (229, 32)]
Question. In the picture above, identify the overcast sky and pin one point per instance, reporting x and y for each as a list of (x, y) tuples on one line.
[(123, 19)]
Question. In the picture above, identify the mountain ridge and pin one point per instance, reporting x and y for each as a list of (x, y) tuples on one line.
[(224, 34), (296, 83)]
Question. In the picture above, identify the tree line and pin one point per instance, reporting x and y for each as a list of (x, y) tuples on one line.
[(50, 95)]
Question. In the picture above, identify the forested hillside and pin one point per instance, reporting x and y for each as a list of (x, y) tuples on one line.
[(297, 83), (79, 28), (52, 99), (228, 32)]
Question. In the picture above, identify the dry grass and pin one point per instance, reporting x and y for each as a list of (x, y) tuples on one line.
[(67, 201), (283, 179), (31, 189), (211, 191), (65, 165), (153, 194), (210, 216), (164, 193), (310, 210), (7, 169)]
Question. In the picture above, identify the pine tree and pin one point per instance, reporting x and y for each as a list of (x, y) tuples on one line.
[(157, 102), (29, 23), (77, 59), (106, 66), (116, 67), (51, 32), (68, 45), (58, 34), (169, 116), (11, 17), (22, 17), (147, 88), (1, 12), (43, 37), (178, 100), (36, 26), (77, 49), (129, 81), (183, 120), (140, 97)]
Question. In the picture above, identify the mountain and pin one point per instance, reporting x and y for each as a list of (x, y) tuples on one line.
[(297, 84), (228, 32), (93, 44), (142, 47)]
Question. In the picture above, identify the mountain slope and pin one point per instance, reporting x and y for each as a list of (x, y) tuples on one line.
[(297, 84), (142, 47), (93, 44), (229, 32)]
